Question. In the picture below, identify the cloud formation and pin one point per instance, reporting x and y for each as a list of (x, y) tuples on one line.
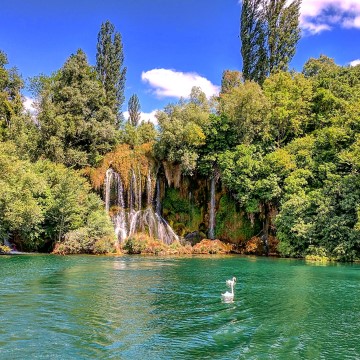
[(145, 116), (321, 15), (29, 105), (171, 83), (355, 62)]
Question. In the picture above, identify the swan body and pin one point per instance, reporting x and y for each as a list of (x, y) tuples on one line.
[(229, 296)]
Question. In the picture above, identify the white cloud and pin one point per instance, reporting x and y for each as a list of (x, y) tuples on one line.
[(29, 105), (320, 15), (355, 62), (171, 83), (150, 117), (145, 116)]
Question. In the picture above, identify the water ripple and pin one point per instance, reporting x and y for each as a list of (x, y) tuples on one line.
[(153, 308)]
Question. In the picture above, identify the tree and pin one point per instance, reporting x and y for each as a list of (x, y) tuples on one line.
[(182, 131), (256, 180), (283, 32), (134, 110), (42, 203), (289, 96), (109, 66), (10, 97), (246, 107), (230, 79), (269, 34), (77, 127), (253, 49)]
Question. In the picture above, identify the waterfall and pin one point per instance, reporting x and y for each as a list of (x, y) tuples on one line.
[(149, 190), (114, 186), (158, 201), (135, 219), (108, 178), (212, 209)]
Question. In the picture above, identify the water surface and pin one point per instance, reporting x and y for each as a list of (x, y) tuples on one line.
[(85, 307)]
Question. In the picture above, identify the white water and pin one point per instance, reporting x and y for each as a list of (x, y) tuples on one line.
[(132, 219), (212, 209)]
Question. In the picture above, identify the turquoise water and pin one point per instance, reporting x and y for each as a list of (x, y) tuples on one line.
[(85, 307)]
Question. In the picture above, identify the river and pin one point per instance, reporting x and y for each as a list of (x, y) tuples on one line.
[(87, 307)]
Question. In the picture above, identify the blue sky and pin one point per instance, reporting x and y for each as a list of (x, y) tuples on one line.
[(169, 45)]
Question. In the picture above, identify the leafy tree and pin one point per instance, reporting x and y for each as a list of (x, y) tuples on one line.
[(290, 104), (134, 136), (246, 107), (41, 203), (220, 137), (182, 131), (269, 34), (253, 38), (134, 110), (283, 32), (109, 66), (10, 97), (250, 176), (230, 79), (77, 127), (21, 194), (336, 93)]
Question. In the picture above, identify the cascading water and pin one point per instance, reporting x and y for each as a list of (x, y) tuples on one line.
[(113, 183), (128, 221), (158, 201), (212, 209)]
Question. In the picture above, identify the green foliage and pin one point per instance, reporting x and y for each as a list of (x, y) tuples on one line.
[(253, 37), (232, 224), (182, 131), (248, 174), (289, 95), (138, 135), (11, 106), (4, 249), (109, 66), (246, 107), (230, 79), (76, 125), (269, 34), (134, 110), (182, 213), (43, 203), (135, 245), (286, 153)]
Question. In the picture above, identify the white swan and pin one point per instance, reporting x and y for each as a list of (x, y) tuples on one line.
[(229, 296)]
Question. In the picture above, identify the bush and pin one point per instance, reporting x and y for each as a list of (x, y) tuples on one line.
[(316, 253), (4, 249), (81, 242), (212, 247), (136, 244)]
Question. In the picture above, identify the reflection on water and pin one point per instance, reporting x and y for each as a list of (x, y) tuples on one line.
[(86, 307)]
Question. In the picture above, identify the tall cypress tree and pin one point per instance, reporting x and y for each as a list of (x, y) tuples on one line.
[(109, 66), (269, 34), (134, 110), (252, 32), (283, 32)]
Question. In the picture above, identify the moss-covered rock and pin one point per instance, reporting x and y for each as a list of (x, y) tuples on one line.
[(232, 224)]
